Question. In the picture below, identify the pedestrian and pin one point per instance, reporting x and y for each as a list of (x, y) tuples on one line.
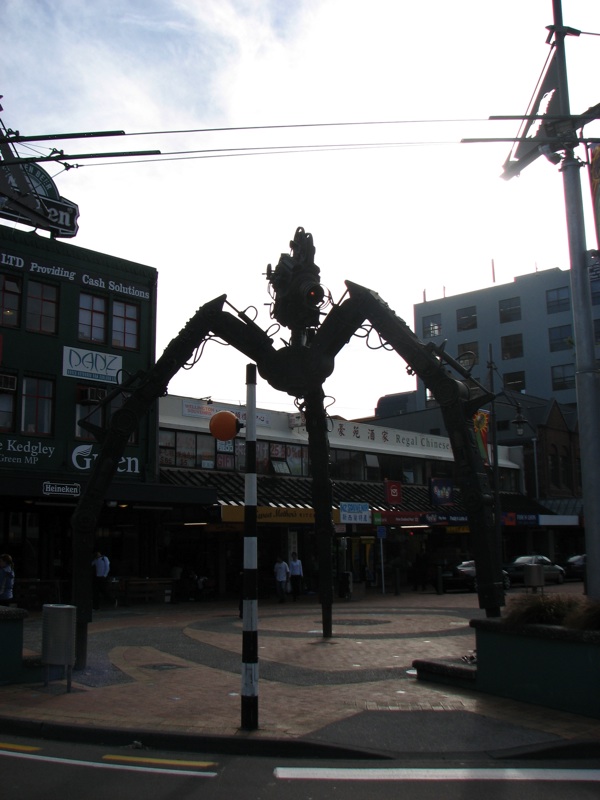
[(296, 575), (282, 574), (7, 579), (101, 566)]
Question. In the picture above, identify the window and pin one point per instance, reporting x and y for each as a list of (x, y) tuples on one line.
[(558, 300), (469, 347), (10, 295), (554, 466), (595, 290), (560, 338), (514, 381), (597, 331), (512, 346), (432, 326), (166, 448), (125, 325), (510, 310), (92, 318), (7, 410), (89, 411), (36, 409), (42, 307), (466, 318), (563, 377)]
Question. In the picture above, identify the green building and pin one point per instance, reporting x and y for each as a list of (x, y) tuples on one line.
[(74, 324)]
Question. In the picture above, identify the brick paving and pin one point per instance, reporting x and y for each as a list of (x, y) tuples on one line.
[(176, 669)]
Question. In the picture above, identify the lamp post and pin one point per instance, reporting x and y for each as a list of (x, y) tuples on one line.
[(519, 422)]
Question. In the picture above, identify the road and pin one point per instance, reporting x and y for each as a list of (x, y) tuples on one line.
[(34, 768)]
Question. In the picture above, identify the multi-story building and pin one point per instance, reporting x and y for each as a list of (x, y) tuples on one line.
[(73, 325), (525, 328)]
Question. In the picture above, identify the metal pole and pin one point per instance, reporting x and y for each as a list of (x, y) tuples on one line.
[(381, 560), (495, 466), (250, 578), (587, 376)]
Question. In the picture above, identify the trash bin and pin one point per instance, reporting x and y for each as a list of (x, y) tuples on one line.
[(345, 585), (58, 638), (533, 576)]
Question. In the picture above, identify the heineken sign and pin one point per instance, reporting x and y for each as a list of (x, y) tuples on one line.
[(31, 198)]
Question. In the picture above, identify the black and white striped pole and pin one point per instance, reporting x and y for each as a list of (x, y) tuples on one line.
[(224, 425), (250, 580)]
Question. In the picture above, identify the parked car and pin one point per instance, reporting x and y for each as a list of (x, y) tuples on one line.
[(575, 567), (553, 573), (464, 576)]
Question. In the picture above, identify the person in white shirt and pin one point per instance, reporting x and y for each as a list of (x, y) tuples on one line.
[(282, 573), (296, 575), (101, 566)]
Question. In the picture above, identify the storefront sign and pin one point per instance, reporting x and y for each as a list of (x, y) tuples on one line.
[(27, 452), (91, 365), (83, 457), (50, 488), (270, 515), (355, 513)]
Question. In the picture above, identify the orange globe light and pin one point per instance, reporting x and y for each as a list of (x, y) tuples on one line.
[(224, 425)]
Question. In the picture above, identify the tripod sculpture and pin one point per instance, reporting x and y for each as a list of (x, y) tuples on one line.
[(300, 369)]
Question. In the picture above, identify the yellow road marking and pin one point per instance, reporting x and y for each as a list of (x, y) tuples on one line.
[(22, 748), (170, 761)]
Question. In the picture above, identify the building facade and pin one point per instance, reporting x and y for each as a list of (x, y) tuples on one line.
[(393, 495), (73, 325), (525, 328)]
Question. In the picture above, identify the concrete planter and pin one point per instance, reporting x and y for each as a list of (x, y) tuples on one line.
[(543, 664)]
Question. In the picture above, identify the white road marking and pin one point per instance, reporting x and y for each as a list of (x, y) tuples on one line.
[(130, 768), (418, 774)]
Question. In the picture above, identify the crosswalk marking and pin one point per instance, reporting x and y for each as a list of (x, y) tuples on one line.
[(445, 774)]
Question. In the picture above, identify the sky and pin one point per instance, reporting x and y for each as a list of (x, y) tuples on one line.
[(420, 215)]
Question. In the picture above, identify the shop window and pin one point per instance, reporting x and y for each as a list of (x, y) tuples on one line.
[(37, 406), (432, 326), (512, 346), (510, 309), (125, 325), (205, 451), (42, 307), (372, 465), (466, 318), (10, 301), (166, 448), (560, 338), (563, 377), (185, 452), (225, 454), (558, 300)]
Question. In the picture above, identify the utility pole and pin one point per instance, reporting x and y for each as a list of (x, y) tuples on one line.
[(587, 376)]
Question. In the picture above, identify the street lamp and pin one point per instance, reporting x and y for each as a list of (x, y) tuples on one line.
[(519, 422)]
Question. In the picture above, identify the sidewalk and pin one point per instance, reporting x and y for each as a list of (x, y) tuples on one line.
[(157, 673)]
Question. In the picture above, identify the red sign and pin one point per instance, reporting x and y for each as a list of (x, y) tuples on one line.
[(393, 492)]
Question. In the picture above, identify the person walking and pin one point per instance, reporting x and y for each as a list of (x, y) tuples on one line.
[(282, 574), (7, 579), (101, 566), (296, 575)]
